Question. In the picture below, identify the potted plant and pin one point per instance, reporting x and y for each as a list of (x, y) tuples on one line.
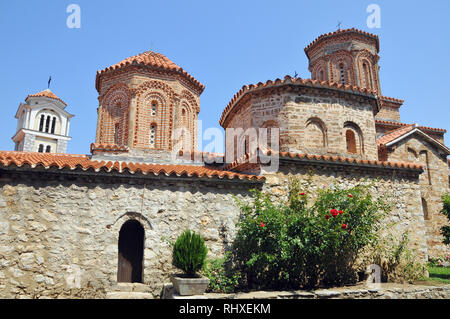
[(189, 255)]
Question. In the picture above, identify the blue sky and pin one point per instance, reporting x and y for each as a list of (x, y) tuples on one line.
[(224, 45)]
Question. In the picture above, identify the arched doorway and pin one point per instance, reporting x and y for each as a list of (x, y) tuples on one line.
[(131, 252)]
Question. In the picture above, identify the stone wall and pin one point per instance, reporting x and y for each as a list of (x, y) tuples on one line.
[(433, 184), (385, 291), (59, 237)]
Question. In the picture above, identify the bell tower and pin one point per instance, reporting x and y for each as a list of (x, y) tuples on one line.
[(43, 124), (349, 57)]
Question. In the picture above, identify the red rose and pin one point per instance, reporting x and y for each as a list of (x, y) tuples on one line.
[(327, 217), (344, 226), (341, 212), (262, 225), (350, 195), (302, 194)]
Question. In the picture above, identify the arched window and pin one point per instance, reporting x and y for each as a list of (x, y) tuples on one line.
[(47, 124), (152, 135), (41, 148), (342, 71), (41, 123), (53, 125), (366, 76), (315, 134), (351, 141), (48, 149), (425, 209)]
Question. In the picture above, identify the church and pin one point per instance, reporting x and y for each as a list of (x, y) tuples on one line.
[(74, 225)]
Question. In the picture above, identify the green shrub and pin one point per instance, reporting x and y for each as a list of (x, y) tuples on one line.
[(397, 262), (189, 253), (291, 244), (445, 230), (222, 279)]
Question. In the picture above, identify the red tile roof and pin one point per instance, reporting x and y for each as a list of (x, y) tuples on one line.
[(332, 159), (339, 32), (297, 81), (152, 59), (395, 134), (83, 162), (46, 93), (108, 147), (399, 124)]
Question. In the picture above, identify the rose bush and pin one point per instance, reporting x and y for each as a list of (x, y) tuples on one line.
[(294, 244)]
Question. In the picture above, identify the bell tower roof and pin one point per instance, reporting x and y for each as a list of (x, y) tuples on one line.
[(150, 59), (46, 93)]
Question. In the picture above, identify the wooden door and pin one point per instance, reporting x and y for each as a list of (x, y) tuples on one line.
[(131, 252)]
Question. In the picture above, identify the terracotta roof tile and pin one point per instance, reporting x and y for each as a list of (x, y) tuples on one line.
[(152, 59), (46, 93), (73, 162), (393, 135), (397, 133), (296, 81), (331, 159), (338, 32), (108, 147), (399, 124)]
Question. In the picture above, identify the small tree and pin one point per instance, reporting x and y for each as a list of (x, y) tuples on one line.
[(445, 230), (189, 253)]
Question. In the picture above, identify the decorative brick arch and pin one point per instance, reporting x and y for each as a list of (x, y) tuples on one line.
[(315, 133), (345, 58), (147, 118), (354, 138), (318, 67), (114, 114), (188, 96), (142, 124), (365, 57), (269, 125)]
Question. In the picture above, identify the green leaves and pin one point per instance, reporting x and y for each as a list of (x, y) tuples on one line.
[(298, 246), (189, 253)]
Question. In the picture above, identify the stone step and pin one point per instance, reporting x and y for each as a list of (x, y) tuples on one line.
[(128, 295), (130, 287)]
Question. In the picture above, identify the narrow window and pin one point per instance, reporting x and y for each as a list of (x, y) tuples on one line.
[(425, 209), (154, 107), (152, 135), (351, 141), (321, 78), (47, 124), (41, 123), (368, 82), (116, 134), (48, 149), (41, 148), (53, 125), (341, 67)]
